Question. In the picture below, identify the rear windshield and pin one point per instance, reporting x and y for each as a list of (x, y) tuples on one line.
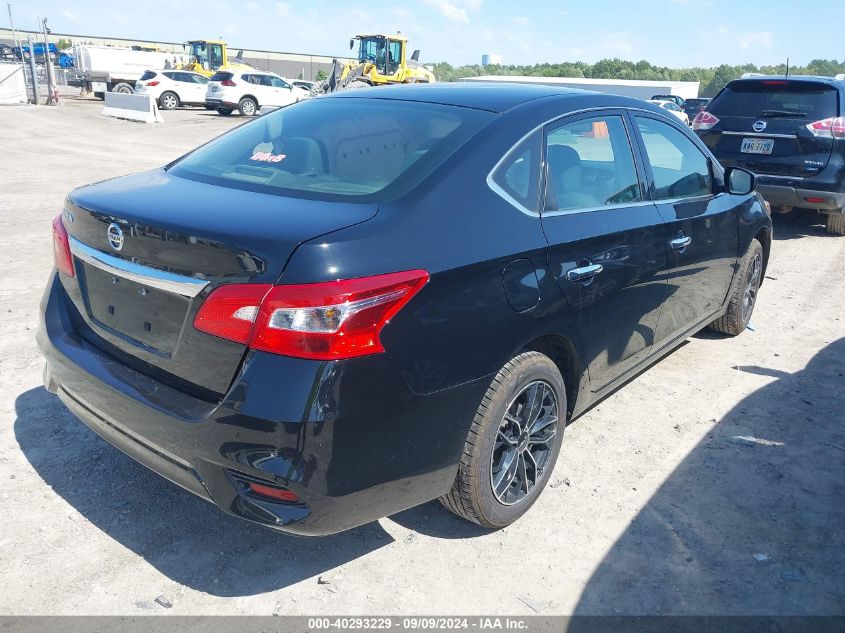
[(776, 98), (696, 102), (148, 74), (220, 76), (336, 148)]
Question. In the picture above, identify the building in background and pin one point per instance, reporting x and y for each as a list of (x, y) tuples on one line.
[(491, 59)]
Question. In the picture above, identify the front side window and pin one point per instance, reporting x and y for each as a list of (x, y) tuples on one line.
[(518, 177), (589, 163), (216, 57), (679, 168), (394, 56), (336, 149)]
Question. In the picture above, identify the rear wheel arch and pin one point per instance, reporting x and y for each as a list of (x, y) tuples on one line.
[(563, 354), (764, 236)]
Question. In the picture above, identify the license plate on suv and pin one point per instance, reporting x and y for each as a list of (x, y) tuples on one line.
[(757, 146)]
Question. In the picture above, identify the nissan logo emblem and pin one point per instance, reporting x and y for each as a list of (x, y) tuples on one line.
[(759, 126), (114, 234)]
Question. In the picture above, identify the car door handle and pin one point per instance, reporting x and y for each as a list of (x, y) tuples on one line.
[(680, 243), (583, 273)]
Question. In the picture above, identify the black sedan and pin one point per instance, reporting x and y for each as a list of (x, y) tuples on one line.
[(362, 302)]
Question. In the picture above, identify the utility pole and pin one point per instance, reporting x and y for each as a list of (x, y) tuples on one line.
[(14, 32), (48, 66), (32, 71)]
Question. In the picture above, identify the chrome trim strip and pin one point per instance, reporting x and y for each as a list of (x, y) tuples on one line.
[(168, 282), (761, 134), (606, 207), (779, 177)]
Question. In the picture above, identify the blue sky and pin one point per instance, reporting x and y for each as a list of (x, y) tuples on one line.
[(665, 32)]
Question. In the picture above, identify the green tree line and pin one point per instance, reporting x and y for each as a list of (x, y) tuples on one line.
[(712, 79)]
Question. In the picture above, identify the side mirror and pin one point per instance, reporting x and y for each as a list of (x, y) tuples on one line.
[(351, 44), (416, 55), (740, 181)]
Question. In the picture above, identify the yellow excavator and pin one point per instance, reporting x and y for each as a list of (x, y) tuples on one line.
[(209, 56), (382, 60)]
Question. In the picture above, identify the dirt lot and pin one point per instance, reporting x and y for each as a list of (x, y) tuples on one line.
[(712, 484)]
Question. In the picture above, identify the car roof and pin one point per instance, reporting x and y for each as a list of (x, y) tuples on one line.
[(494, 97), (796, 78)]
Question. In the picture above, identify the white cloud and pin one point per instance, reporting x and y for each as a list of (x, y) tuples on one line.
[(755, 39), (723, 30), (400, 12), (282, 8), (455, 10), (70, 16), (616, 43), (520, 19)]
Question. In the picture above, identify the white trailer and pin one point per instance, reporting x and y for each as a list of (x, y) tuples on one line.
[(114, 69)]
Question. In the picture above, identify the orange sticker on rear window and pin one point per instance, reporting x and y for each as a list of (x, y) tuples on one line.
[(267, 157)]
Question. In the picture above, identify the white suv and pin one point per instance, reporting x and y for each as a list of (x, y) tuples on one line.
[(247, 91), (172, 88)]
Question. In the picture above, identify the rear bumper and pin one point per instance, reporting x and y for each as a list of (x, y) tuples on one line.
[(802, 197), (220, 103), (347, 437)]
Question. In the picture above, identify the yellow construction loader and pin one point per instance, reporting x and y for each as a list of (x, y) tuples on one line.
[(382, 60), (209, 56)]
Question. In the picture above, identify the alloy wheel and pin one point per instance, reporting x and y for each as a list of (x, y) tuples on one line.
[(524, 443), (752, 285)]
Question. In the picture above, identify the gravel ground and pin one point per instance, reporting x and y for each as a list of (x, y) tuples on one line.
[(711, 484)]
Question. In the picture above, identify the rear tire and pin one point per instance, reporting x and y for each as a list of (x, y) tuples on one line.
[(168, 101), (743, 293), (224, 111), (501, 441), (123, 89), (835, 223), (247, 106)]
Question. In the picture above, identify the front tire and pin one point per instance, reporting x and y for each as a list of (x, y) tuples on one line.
[(168, 101), (513, 443), (743, 294), (123, 89), (247, 106), (835, 223)]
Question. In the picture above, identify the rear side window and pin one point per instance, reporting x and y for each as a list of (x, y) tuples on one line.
[(518, 177), (221, 76), (800, 99), (148, 74), (336, 148), (589, 163), (679, 168)]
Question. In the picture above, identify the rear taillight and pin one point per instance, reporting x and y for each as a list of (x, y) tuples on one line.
[(704, 121), (61, 247), (152, 83), (828, 128), (228, 82), (324, 321), (230, 311)]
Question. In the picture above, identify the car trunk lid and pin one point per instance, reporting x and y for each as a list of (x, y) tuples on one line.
[(763, 126), (148, 249)]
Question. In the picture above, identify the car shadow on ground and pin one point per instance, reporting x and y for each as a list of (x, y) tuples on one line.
[(751, 520), (185, 538), (799, 223)]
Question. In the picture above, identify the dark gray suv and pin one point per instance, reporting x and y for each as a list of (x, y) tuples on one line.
[(790, 131)]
